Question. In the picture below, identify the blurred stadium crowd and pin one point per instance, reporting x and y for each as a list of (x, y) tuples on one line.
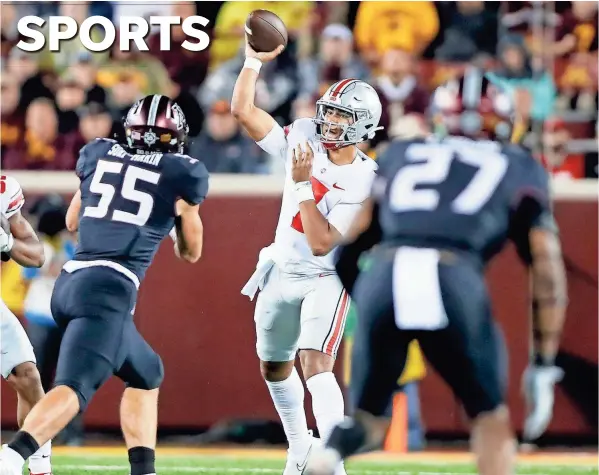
[(52, 103)]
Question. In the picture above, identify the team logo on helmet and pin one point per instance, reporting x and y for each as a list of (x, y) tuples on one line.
[(150, 138)]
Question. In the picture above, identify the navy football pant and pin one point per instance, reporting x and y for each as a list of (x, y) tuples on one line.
[(469, 353), (93, 306)]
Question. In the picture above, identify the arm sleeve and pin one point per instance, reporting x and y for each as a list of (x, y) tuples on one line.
[(14, 197), (275, 142), (195, 183), (531, 209), (342, 216)]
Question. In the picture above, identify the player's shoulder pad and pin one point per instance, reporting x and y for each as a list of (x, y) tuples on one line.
[(90, 153), (185, 163), (394, 152), (529, 170), (367, 162), (13, 198), (191, 175), (300, 130)]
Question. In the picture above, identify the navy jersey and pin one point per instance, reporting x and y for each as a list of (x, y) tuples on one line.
[(128, 201), (460, 194)]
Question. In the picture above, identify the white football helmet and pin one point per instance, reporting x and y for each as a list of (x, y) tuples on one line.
[(356, 99)]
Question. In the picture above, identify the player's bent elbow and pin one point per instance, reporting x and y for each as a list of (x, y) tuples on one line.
[(72, 226), (192, 256), (241, 112), (320, 250)]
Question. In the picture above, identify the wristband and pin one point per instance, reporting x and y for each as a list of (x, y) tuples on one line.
[(303, 191), (253, 63)]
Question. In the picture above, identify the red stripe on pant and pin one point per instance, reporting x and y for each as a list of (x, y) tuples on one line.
[(338, 324)]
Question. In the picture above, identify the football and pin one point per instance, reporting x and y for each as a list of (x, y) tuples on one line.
[(265, 30)]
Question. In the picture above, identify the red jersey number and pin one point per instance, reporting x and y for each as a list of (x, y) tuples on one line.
[(319, 190)]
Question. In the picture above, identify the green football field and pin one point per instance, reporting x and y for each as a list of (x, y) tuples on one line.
[(172, 461)]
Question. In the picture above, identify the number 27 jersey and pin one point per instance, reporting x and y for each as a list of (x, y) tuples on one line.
[(128, 201), (457, 194)]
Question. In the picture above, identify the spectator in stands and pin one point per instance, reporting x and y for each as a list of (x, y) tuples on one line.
[(84, 72), (141, 9), (336, 51), (187, 68), (378, 23), (95, 121), (59, 61), (145, 72), (43, 148), (123, 93), (9, 35), (229, 26), (554, 154), (13, 124), (576, 38), (276, 87), (304, 107), (69, 97), (189, 104), (404, 101), (516, 72), (472, 31), (223, 147), (577, 32), (24, 67)]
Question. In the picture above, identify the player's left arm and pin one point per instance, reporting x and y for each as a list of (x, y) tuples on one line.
[(188, 233), (72, 216), (24, 246), (535, 234)]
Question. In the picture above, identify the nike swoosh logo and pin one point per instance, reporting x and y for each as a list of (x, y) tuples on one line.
[(302, 467), (338, 187)]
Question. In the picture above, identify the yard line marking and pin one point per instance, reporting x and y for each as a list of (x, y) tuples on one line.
[(114, 468)]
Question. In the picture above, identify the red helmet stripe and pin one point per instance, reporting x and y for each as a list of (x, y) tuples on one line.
[(340, 86)]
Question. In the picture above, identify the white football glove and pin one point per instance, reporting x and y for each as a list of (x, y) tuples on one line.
[(6, 241), (538, 384)]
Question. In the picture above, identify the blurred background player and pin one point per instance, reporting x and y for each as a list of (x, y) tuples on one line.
[(302, 305), (43, 332), (18, 241), (440, 210), (130, 196)]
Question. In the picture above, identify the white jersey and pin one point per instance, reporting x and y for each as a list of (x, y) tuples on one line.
[(14, 344), (11, 196), (339, 192)]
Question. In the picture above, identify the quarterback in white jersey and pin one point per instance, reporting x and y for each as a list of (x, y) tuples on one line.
[(302, 305), (17, 360)]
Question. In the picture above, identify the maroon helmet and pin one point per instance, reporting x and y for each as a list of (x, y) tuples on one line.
[(473, 107), (156, 123)]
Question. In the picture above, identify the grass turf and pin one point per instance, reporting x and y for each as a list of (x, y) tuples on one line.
[(68, 462)]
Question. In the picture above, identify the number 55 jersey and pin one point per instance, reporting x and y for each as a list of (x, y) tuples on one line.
[(128, 202)]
